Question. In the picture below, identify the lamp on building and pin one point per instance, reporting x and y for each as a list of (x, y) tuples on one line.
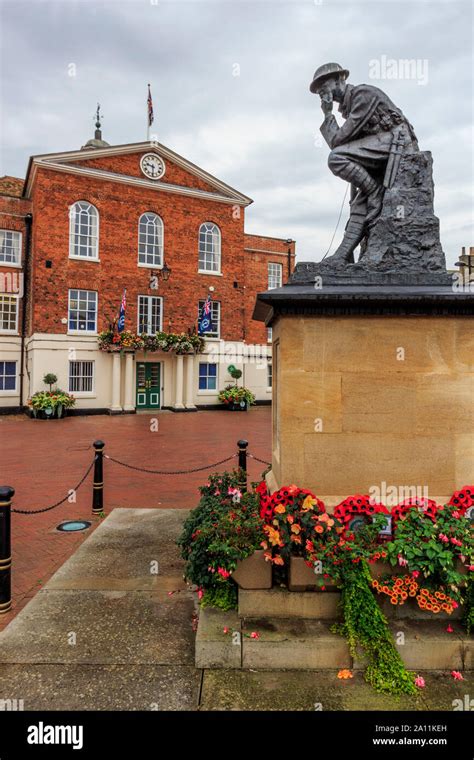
[(163, 273)]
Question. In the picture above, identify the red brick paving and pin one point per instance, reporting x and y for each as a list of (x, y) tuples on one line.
[(43, 459)]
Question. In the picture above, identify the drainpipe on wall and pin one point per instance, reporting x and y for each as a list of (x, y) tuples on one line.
[(289, 242), (26, 265)]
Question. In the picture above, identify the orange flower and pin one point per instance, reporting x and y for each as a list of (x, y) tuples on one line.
[(345, 674), (319, 529), (308, 504), (273, 536), (278, 561), (280, 509), (296, 528), (393, 600)]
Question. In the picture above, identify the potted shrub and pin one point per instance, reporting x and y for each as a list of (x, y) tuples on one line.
[(52, 404), (236, 398), (224, 529)]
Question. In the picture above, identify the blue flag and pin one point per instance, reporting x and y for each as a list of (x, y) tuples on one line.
[(121, 319), (205, 322)]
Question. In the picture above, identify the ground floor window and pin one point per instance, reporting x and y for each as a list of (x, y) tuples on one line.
[(7, 376), (81, 377), (207, 377)]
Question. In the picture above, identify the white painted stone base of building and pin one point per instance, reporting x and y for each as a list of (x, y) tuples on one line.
[(134, 381)]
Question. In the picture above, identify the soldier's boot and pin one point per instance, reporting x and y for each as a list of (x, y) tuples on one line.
[(353, 234), (372, 189)]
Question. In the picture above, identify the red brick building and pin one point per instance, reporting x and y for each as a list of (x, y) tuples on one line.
[(85, 226)]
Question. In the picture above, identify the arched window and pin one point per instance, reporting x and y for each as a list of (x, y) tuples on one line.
[(209, 247), (84, 230), (150, 240)]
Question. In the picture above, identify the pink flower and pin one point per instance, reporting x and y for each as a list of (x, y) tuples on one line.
[(223, 572), (456, 514), (225, 630), (420, 682), (457, 675), (402, 561), (454, 605), (170, 593), (200, 593), (470, 568), (443, 538), (450, 629), (254, 635), (415, 573)]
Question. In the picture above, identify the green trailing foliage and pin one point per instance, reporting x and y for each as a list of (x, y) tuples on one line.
[(366, 627), (468, 618), (224, 597)]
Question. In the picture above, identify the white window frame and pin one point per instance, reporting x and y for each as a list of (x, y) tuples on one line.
[(270, 374), (16, 263), (12, 391), (206, 335), (81, 377), (149, 300), (72, 331), (94, 247), (217, 271), (207, 391), (160, 244), (271, 274), (5, 330)]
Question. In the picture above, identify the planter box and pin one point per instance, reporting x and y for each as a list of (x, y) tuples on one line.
[(301, 577), (236, 407), (41, 415), (253, 572)]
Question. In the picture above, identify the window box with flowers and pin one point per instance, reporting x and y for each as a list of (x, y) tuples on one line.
[(178, 343)]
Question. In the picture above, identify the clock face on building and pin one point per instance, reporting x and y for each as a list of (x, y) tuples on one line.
[(152, 166)]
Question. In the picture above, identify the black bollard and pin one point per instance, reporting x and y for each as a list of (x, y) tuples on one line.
[(98, 487), (6, 495), (242, 444)]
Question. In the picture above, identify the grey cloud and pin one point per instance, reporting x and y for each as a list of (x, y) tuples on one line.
[(256, 131)]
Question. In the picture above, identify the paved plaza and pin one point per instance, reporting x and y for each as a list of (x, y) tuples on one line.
[(43, 459)]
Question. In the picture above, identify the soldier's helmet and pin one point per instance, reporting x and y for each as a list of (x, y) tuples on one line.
[(324, 72)]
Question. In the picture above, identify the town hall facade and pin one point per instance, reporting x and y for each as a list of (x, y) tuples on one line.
[(85, 226)]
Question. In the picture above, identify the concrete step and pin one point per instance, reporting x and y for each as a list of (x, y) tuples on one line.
[(323, 605), (306, 644)]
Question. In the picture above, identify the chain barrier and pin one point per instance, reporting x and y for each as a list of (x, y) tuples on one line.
[(169, 472), (262, 461), (53, 506)]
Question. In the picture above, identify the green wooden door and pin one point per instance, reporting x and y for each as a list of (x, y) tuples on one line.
[(148, 385)]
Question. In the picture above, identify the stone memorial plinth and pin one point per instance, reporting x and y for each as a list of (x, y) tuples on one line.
[(372, 385)]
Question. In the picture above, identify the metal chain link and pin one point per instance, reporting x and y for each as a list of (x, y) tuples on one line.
[(262, 461), (53, 506), (169, 472)]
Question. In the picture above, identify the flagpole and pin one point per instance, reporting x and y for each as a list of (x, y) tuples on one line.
[(148, 117)]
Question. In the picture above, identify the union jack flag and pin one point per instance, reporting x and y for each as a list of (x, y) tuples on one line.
[(205, 323), (151, 118), (121, 319)]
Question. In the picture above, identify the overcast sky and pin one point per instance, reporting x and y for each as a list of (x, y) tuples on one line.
[(230, 91)]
